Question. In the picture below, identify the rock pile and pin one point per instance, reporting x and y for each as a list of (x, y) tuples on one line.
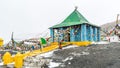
[(36, 62)]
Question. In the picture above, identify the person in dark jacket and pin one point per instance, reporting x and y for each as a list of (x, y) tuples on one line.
[(33, 47)]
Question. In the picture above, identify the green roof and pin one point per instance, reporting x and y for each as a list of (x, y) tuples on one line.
[(74, 18)]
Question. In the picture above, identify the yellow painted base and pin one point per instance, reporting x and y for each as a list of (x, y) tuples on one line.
[(54, 46), (84, 43)]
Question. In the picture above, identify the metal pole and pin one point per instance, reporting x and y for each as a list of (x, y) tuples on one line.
[(12, 40), (117, 19)]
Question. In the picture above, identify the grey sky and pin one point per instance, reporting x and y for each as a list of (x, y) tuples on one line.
[(27, 18)]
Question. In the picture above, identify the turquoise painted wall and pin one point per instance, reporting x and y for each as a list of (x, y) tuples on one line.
[(83, 32), (91, 33), (52, 35), (88, 33), (77, 33), (72, 36)]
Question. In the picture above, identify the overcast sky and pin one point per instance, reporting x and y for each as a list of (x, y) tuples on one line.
[(31, 17)]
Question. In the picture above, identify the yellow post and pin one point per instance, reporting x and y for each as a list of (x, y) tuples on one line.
[(7, 58), (1, 41), (18, 60)]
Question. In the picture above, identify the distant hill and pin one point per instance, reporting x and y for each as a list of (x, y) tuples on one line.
[(108, 26)]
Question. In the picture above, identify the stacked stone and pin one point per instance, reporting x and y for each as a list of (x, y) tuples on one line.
[(35, 62)]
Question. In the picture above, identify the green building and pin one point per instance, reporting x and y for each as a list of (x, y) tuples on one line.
[(75, 28)]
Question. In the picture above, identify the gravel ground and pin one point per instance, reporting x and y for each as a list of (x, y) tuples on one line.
[(93, 56)]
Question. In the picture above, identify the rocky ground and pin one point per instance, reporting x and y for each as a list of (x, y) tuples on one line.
[(94, 56)]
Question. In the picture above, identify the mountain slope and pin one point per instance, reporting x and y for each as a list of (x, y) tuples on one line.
[(108, 26)]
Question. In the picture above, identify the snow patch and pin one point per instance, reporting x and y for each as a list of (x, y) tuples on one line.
[(75, 54), (53, 64), (101, 42), (69, 63), (27, 67), (79, 54), (85, 53), (10, 65), (68, 58), (71, 46), (48, 54), (1, 63)]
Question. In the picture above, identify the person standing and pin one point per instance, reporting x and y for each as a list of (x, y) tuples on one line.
[(39, 44), (33, 47)]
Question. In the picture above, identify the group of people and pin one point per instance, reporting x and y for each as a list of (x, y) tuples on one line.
[(37, 46)]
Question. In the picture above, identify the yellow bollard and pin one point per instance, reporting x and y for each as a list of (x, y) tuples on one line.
[(7, 58), (18, 60), (1, 41)]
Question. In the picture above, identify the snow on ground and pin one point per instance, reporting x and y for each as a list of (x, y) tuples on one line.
[(79, 54), (1, 63), (47, 54), (68, 58), (101, 42), (53, 64), (11, 65), (27, 67), (85, 53), (70, 46)]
